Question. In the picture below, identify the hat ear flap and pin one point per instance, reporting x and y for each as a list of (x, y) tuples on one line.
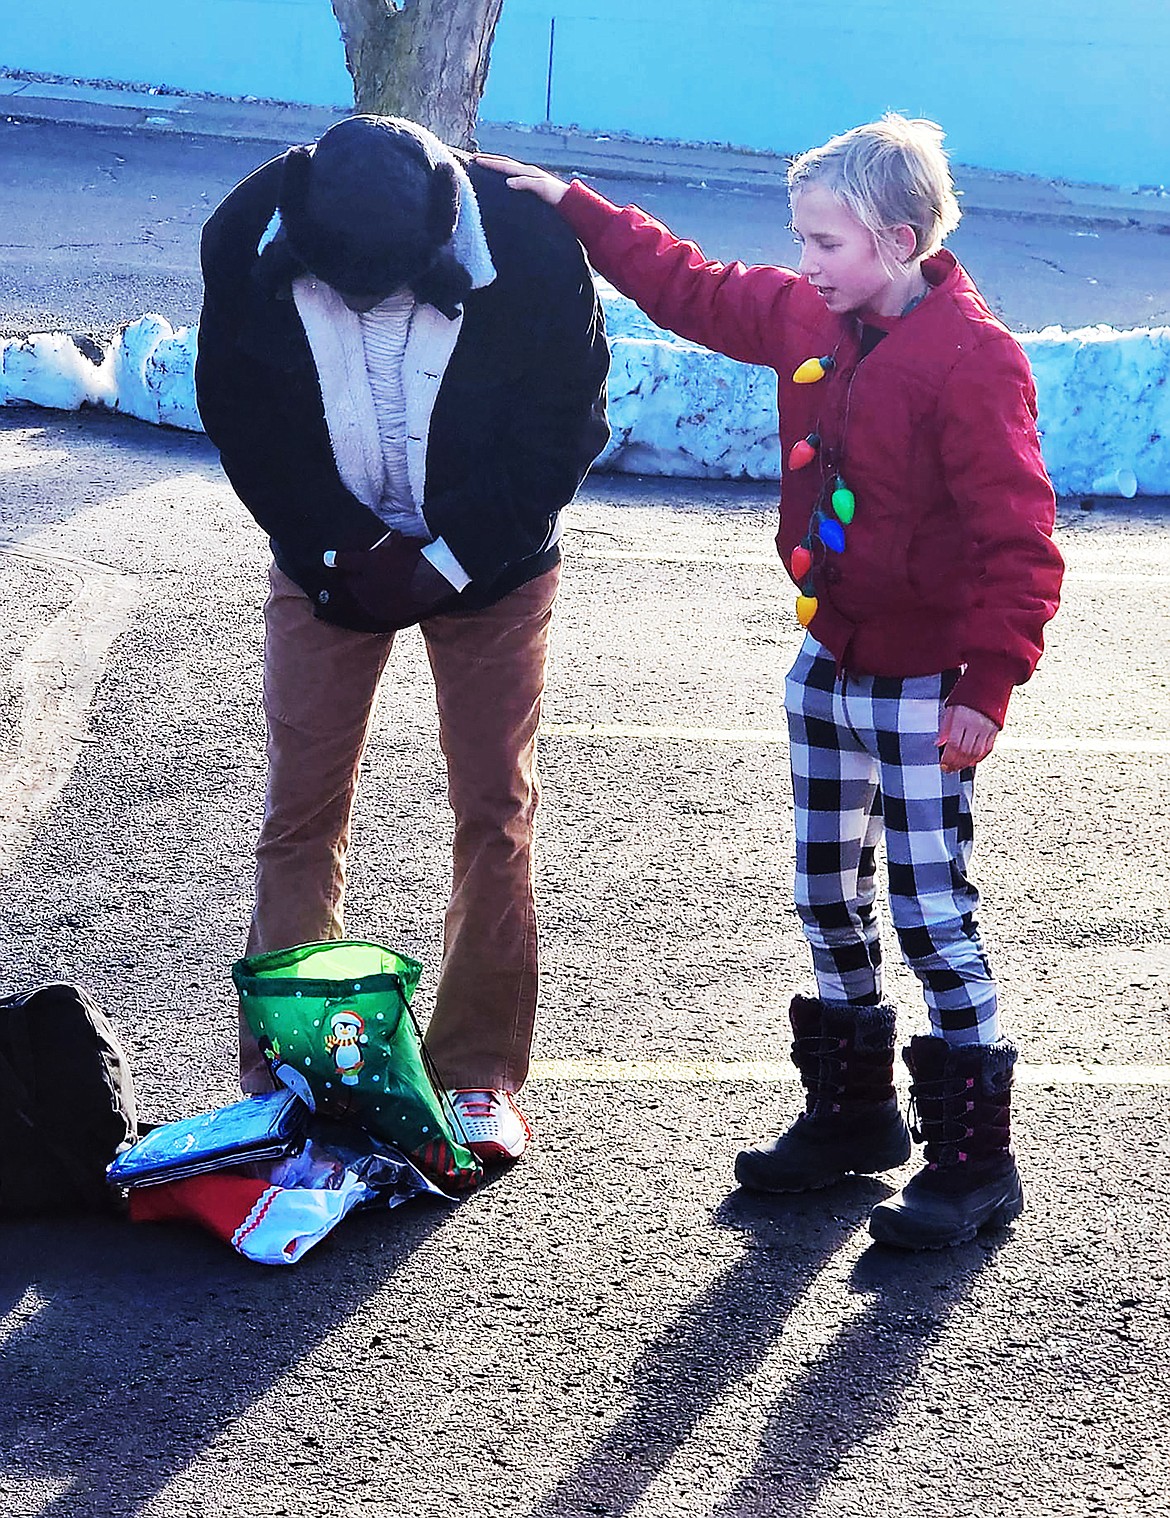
[(445, 285), (294, 182), (442, 204)]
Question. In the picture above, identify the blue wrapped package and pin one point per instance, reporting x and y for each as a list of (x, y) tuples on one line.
[(262, 1127)]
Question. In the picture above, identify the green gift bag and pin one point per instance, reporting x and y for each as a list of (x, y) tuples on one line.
[(334, 1022)]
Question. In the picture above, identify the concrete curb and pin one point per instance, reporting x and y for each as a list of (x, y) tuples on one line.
[(984, 193)]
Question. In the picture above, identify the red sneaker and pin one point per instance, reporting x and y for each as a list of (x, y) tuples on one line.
[(497, 1131)]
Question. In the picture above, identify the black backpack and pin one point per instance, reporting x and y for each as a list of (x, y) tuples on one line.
[(66, 1102)]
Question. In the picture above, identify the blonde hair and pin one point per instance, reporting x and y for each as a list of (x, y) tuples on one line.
[(888, 173)]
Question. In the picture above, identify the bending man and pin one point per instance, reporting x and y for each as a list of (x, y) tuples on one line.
[(403, 366)]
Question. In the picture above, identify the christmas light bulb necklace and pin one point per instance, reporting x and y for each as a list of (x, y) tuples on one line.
[(836, 504)]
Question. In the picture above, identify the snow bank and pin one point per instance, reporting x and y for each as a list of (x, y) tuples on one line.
[(51, 369), (155, 369), (1104, 402), (148, 371), (676, 409)]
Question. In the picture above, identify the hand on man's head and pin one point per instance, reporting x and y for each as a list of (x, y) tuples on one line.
[(526, 176)]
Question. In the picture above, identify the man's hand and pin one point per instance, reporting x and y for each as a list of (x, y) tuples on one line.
[(392, 583), (526, 176), (965, 737)]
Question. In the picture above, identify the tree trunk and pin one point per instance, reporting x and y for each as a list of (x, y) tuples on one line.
[(426, 60)]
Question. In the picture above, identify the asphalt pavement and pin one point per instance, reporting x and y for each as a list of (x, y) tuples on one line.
[(611, 1328), (105, 192)]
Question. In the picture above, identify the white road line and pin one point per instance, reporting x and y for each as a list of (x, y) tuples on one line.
[(1105, 577), (1085, 745), (682, 734), (706, 560), (23, 548), (767, 1072), (772, 561), (766, 735), (58, 674)]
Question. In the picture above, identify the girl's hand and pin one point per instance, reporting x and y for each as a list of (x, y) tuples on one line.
[(526, 176), (965, 737)]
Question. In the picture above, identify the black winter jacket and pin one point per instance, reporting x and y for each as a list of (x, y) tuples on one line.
[(519, 417)]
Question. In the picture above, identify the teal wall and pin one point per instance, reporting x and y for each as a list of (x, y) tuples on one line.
[(1072, 89), (274, 49)]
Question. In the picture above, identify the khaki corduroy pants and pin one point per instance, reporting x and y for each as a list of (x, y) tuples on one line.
[(320, 689)]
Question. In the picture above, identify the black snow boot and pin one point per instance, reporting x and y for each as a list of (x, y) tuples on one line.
[(961, 1105), (851, 1124)]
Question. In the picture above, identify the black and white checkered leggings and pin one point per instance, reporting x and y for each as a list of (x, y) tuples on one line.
[(865, 762)]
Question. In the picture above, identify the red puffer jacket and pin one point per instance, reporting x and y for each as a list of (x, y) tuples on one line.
[(949, 559)]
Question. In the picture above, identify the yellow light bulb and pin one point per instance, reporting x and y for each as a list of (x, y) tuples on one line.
[(806, 609), (813, 369)]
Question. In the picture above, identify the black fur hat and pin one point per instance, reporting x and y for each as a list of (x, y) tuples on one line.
[(368, 210)]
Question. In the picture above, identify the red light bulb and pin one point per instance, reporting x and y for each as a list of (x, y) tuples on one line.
[(803, 453)]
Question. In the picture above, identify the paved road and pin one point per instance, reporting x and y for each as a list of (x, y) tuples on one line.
[(102, 224), (610, 1329)]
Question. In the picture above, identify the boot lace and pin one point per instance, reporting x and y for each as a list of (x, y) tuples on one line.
[(821, 1060), (941, 1118)]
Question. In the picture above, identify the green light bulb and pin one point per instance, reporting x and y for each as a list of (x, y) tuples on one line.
[(844, 504)]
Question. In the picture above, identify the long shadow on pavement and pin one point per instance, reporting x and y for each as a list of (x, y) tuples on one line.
[(853, 1389), (129, 1349), (724, 1336), (71, 461)]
